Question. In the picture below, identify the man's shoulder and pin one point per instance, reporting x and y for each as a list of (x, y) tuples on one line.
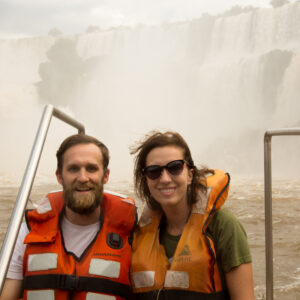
[(120, 209), (24, 230), (114, 198)]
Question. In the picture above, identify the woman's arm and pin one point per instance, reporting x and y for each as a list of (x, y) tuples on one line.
[(240, 282)]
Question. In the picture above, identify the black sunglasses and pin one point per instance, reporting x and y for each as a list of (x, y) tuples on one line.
[(174, 167)]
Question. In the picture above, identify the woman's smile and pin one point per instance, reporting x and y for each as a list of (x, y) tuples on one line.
[(168, 190)]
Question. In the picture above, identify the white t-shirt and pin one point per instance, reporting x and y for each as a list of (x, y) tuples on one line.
[(76, 238)]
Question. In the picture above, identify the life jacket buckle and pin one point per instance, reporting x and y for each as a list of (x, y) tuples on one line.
[(69, 282), (114, 240)]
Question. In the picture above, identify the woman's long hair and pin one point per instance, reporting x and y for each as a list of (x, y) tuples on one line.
[(157, 139)]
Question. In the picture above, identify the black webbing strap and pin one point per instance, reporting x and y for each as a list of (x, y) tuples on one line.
[(76, 283), (179, 295)]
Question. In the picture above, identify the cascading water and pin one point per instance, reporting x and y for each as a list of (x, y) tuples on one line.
[(220, 81)]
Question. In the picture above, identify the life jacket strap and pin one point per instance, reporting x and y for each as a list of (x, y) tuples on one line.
[(180, 294), (76, 283)]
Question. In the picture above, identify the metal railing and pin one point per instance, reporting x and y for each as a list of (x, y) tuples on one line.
[(26, 185), (268, 203)]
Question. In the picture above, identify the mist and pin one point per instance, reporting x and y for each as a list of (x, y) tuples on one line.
[(220, 81)]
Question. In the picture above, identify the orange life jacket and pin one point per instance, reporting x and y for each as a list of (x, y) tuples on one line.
[(193, 272), (102, 271)]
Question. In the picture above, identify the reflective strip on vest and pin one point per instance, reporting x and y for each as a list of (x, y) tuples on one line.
[(143, 279), (103, 267), (44, 206), (128, 200), (38, 295), (93, 296), (43, 261), (177, 279)]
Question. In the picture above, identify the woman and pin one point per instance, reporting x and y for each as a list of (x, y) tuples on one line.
[(185, 245)]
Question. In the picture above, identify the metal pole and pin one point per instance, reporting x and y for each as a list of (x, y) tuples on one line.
[(283, 131), (62, 116), (268, 203), (268, 217), (26, 185)]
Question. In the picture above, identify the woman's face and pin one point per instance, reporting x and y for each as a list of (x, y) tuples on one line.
[(168, 190)]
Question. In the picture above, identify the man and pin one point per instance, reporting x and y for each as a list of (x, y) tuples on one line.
[(77, 243)]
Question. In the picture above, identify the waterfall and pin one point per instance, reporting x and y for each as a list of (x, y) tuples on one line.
[(221, 81)]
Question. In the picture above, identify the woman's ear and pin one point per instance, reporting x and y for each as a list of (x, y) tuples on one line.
[(190, 175)]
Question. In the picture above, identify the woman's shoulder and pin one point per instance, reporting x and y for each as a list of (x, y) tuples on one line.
[(224, 220), (224, 215)]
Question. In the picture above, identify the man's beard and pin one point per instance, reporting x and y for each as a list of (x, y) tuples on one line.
[(83, 203)]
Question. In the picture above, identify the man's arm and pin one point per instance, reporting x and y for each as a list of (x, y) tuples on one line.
[(11, 290), (12, 287), (240, 282)]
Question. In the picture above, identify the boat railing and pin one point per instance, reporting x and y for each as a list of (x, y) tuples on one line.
[(27, 182), (268, 203), (29, 175)]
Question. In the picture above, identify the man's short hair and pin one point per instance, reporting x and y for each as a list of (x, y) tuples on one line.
[(78, 139)]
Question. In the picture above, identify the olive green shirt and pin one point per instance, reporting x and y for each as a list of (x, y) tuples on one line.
[(229, 237)]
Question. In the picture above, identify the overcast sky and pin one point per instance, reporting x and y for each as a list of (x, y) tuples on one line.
[(20, 18), (36, 17)]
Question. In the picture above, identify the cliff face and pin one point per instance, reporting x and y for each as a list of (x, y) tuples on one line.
[(239, 74)]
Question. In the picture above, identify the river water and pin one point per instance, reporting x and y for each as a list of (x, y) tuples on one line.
[(246, 200)]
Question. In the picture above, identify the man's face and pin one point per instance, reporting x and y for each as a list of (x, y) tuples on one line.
[(82, 178)]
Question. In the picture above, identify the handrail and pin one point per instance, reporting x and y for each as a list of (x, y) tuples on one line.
[(26, 185), (268, 203)]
